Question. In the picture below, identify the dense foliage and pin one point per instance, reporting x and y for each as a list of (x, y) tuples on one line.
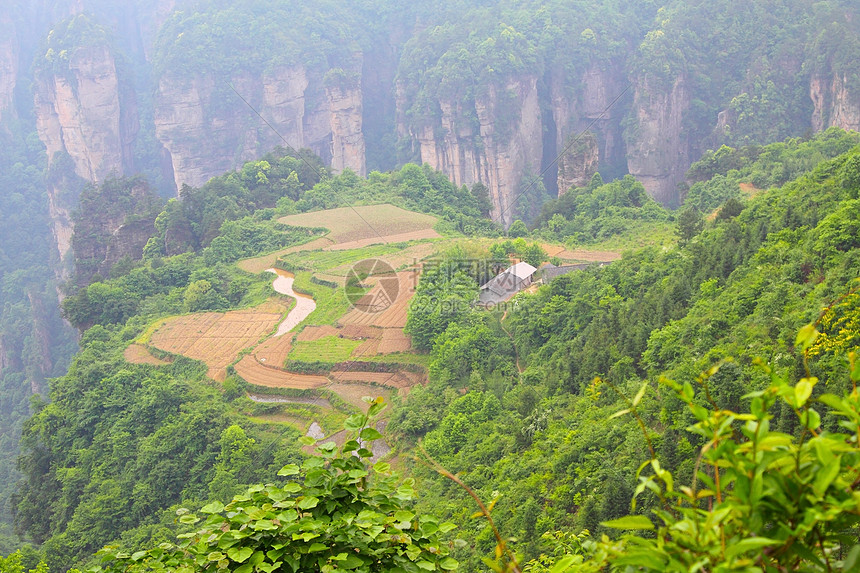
[(543, 439), (34, 343), (336, 512)]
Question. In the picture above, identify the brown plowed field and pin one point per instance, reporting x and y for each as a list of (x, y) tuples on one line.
[(392, 317), (394, 340), (274, 351), (214, 338), (311, 333), (349, 224), (352, 394), (385, 239), (369, 347), (583, 255), (138, 354), (393, 380), (255, 373)]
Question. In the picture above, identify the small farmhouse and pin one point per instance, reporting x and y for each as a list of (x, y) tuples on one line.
[(507, 284)]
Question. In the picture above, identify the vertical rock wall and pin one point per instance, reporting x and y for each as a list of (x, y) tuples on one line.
[(658, 154)]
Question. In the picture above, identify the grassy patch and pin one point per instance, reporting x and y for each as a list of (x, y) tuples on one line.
[(646, 234), (326, 349), (325, 260), (331, 303)]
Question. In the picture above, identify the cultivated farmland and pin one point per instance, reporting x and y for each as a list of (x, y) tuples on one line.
[(214, 338), (382, 223)]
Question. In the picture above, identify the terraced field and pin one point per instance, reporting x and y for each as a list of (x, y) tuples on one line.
[(214, 338), (381, 223)]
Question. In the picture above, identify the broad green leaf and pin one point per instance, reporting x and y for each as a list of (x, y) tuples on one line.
[(308, 502), (369, 434), (382, 467), (316, 547), (307, 441), (240, 554), (562, 565), (354, 422), (749, 544), (825, 476), (214, 507), (188, 519), (806, 336), (289, 470), (803, 391), (449, 564), (629, 522)]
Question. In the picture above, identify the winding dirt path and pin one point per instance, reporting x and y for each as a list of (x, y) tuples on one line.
[(305, 305)]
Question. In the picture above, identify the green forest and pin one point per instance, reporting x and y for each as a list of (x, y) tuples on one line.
[(518, 407), (683, 397)]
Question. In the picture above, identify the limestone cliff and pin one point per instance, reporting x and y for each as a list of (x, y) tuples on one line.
[(504, 142), (80, 112), (584, 108), (347, 138), (658, 153), (835, 105), (207, 129), (9, 54), (115, 220), (579, 163), (81, 115)]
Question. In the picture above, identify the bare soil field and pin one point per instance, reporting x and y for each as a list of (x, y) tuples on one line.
[(214, 338), (349, 224), (259, 374), (749, 189), (386, 239), (392, 380), (138, 354), (352, 394), (311, 333), (394, 340), (580, 255), (274, 351), (392, 317)]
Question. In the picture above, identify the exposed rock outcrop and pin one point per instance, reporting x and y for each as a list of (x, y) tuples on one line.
[(658, 154), (835, 105), (80, 112), (9, 54), (504, 143), (578, 164), (347, 139), (86, 115), (115, 220), (207, 129)]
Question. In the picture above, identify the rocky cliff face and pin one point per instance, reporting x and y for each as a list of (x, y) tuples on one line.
[(207, 129), (834, 103), (9, 54), (80, 112), (347, 138), (579, 163), (658, 154), (114, 221), (505, 142)]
